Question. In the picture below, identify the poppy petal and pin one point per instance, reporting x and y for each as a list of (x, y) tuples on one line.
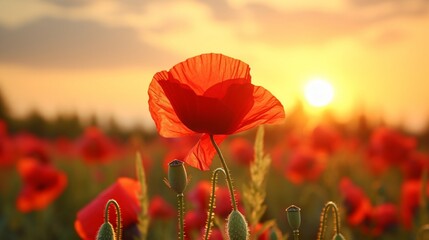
[(266, 109), (166, 120), (203, 71), (42, 185), (204, 114), (90, 218), (201, 155)]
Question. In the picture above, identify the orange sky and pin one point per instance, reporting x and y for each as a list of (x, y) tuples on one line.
[(99, 56)]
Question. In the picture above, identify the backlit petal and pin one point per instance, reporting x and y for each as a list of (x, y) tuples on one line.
[(201, 155), (211, 115), (206, 70), (266, 109), (166, 119)]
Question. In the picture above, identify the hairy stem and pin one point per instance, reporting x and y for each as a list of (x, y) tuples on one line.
[(118, 216), (180, 199), (227, 173), (211, 203), (323, 220)]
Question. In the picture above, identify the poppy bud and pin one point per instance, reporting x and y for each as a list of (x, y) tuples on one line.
[(294, 217), (338, 236), (106, 232), (237, 226), (177, 176)]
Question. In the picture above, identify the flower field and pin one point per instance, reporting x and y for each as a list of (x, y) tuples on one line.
[(57, 186)]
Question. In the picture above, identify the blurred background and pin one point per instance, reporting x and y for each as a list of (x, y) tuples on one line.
[(72, 71)]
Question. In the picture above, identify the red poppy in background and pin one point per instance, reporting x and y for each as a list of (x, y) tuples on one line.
[(31, 146), (223, 202), (325, 139), (91, 217), (265, 235), (94, 146), (356, 203), (388, 148), (6, 147), (241, 151), (210, 94), (199, 195), (413, 167), (42, 185), (160, 209), (195, 220), (305, 164), (215, 234), (410, 201), (383, 218)]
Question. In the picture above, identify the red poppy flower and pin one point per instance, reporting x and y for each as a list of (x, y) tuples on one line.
[(6, 147), (383, 218), (410, 201), (325, 139), (210, 94), (265, 235), (241, 151), (91, 217), (413, 167), (42, 185), (199, 195), (356, 203), (215, 234), (195, 220), (223, 202), (305, 164), (94, 146), (32, 147), (388, 147), (160, 209)]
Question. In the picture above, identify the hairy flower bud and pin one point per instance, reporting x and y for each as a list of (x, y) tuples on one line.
[(106, 232), (338, 236), (237, 226)]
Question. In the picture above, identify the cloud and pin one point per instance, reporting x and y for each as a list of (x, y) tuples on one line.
[(305, 26), (59, 43)]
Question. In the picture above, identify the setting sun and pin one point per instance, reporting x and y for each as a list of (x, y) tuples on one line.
[(318, 92)]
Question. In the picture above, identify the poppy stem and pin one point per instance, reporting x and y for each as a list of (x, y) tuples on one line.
[(227, 173), (328, 206), (212, 203), (118, 216), (181, 217)]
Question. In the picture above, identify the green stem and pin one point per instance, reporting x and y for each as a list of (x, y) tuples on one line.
[(296, 234), (227, 173), (211, 203), (180, 199), (118, 216), (328, 206)]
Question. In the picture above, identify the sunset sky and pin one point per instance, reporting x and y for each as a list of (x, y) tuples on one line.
[(98, 56)]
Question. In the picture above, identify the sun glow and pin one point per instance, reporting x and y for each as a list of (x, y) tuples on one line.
[(318, 92)]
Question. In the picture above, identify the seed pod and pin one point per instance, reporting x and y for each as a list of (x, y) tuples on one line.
[(294, 217), (177, 176), (237, 226)]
